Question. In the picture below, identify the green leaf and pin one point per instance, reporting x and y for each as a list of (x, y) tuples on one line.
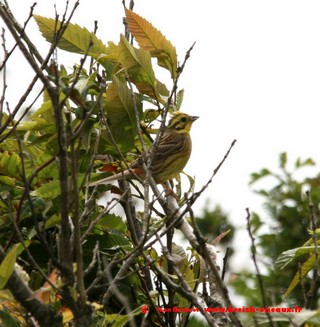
[(10, 163), (7, 180), (288, 256), (137, 62), (254, 177), (45, 112), (8, 320), (77, 39), (117, 320), (7, 264), (74, 39), (113, 221), (52, 221), (121, 114), (152, 40), (283, 159), (305, 268), (180, 96), (308, 162), (52, 189), (48, 190), (108, 242), (39, 124)]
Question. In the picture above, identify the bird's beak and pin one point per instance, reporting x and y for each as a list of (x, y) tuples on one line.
[(193, 118)]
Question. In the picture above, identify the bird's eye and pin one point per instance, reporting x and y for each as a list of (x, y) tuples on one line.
[(183, 119)]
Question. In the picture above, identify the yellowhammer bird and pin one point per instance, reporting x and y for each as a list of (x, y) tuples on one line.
[(171, 155)]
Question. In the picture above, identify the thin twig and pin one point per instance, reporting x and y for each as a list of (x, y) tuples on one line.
[(196, 195), (254, 259), (4, 76), (314, 279), (21, 31), (225, 263), (304, 293)]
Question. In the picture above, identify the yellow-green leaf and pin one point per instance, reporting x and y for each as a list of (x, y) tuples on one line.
[(47, 191), (6, 180), (137, 63), (38, 124), (7, 264), (10, 163), (136, 60), (305, 268), (114, 222), (152, 40), (288, 256), (74, 39), (121, 113), (117, 320)]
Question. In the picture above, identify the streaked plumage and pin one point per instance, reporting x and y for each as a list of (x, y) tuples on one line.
[(171, 155)]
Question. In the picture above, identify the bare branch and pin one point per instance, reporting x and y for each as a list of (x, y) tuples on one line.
[(253, 255)]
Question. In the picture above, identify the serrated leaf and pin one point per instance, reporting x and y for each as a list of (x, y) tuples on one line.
[(179, 250), (48, 190), (137, 62), (121, 114), (75, 38), (152, 40), (288, 256), (7, 264), (114, 222), (108, 241)]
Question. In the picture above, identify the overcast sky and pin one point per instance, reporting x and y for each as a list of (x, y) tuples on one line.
[(254, 76)]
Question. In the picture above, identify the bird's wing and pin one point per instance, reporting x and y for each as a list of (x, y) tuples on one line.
[(170, 143)]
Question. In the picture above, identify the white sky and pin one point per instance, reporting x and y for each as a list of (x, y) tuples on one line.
[(254, 76)]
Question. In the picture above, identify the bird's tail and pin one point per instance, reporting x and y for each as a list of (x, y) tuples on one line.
[(135, 172), (112, 178)]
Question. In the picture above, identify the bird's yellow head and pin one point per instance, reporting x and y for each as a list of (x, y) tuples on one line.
[(180, 122)]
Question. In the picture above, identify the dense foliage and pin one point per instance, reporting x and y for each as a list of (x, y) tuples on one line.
[(80, 255), (76, 255)]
